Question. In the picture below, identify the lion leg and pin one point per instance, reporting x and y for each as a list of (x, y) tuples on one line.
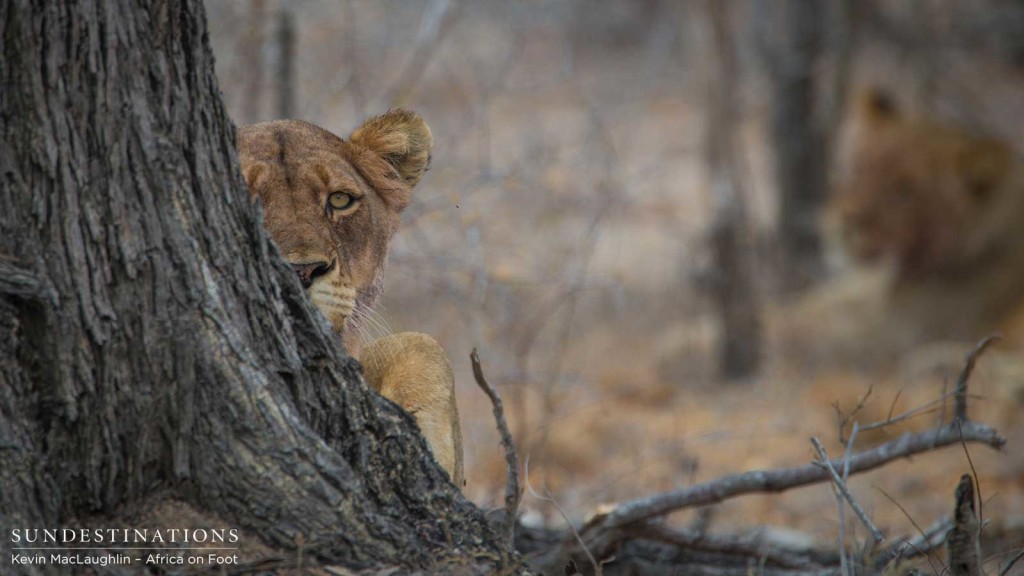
[(413, 371)]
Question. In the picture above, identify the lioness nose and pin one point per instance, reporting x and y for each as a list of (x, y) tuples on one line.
[(310, 271)]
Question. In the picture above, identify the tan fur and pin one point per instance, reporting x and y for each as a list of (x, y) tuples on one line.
[(294, 167), (941, 210), (932, 197), (392, 362)]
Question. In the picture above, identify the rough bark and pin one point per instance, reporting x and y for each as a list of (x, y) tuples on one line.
[(153, 338)]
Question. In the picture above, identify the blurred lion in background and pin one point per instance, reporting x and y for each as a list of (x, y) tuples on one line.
[(935, 199), (944, 208), (932, 215)]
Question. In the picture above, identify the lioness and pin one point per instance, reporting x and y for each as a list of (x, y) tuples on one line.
[(945, 206), (332, 206), (933, 213)]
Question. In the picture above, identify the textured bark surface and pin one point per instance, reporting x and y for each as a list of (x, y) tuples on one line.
[(152, 337)]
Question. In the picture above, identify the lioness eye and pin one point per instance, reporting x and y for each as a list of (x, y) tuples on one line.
[(340, 200)]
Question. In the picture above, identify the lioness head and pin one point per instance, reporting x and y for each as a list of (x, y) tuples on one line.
[(332, 205), (924, 194)]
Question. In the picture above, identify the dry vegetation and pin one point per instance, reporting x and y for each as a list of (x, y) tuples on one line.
[(563, 231)]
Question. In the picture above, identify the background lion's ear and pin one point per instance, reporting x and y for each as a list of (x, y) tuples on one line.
[(984, 165), (402, 138), (877, 106), (252, 171)]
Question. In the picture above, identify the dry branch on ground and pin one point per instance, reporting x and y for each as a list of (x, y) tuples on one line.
[(628, 533)]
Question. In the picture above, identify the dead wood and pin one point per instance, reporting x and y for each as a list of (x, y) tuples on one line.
[(612, 537), (964, 540), (780, 480), (512, 492), (616, 533), (960, 393)]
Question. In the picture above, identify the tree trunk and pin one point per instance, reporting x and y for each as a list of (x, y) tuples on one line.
[(735, 283), (252, 54), (286, 77), (152, 336), (798, 135)]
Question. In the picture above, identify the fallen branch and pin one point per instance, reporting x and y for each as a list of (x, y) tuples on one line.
[(637, 535), (604, 533), (511, 460), (715, 491)]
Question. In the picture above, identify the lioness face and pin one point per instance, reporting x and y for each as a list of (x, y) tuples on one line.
[(882, 207), (332, 205), (911, 187)]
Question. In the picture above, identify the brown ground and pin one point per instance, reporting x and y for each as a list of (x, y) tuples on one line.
[(633, 438)]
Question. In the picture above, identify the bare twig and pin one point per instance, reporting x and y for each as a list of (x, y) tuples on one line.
[(604, 530), (511, 460), (841, 486), (960, 410), (934, 405), (844, 561), (844, 419), (892, 407), (1011, 562), (849, 451)]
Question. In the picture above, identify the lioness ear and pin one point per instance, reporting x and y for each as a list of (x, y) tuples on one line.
[(402, 138), (252, 172), (877, 106), (984, 165)]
